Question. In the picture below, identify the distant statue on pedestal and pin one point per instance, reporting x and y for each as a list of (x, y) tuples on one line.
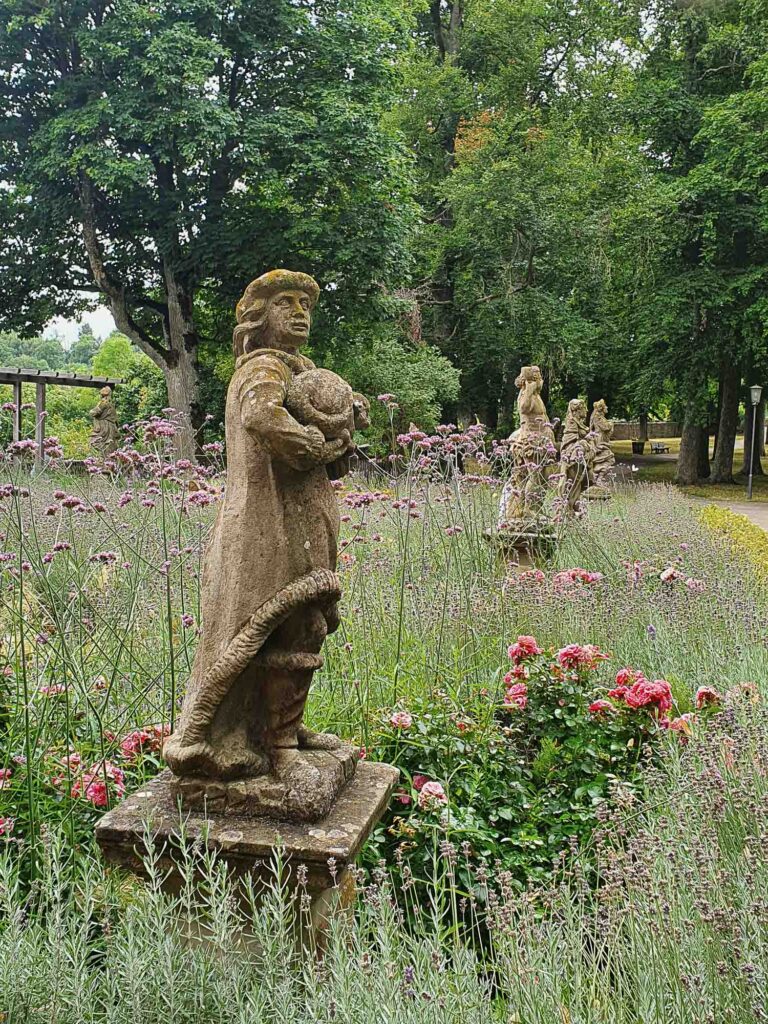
[(105, 435), (577, 454), (604, 460), (532, 447)]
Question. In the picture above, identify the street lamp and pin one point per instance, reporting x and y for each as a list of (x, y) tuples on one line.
[(755, 393)]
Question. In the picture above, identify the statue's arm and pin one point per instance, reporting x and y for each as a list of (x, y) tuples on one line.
[(97, 411), (263, 414)]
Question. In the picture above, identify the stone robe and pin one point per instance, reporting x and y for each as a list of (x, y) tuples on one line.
[(279, 522), (105, 436)]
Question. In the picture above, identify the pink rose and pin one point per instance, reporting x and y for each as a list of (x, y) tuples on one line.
[(524, 647), (516, 696), (432, 795), (644, 693), (419, 781), (600, 707), (401, 720), (576, 656)]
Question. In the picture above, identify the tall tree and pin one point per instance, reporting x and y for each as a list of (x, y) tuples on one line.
[(510, 113), (155, 151)]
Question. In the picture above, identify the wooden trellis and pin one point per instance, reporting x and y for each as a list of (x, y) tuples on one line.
[(16, 376)]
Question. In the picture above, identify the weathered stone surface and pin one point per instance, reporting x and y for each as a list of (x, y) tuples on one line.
[(301, 786), (604, 460), (270, 591), (105, 435), (532, 447), (577, 454), (245, 842)]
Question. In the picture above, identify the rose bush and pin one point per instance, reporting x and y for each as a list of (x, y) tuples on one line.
[(510, 775)]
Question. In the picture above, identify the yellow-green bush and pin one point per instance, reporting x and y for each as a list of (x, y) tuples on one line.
[(742, 536)]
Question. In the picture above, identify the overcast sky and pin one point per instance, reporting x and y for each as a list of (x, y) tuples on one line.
[(100, 320)]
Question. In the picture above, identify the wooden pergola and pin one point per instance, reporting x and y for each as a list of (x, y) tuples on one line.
[(16, 376)]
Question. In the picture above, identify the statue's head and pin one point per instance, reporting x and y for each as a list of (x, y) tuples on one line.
[(275, 312), (106, 392), (529, 375), (600, 406), (577, 409)]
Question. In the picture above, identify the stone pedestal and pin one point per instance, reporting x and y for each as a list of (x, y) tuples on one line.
[(522, 544), (326, 850)]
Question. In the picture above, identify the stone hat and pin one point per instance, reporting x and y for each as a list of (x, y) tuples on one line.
[(269, 284)]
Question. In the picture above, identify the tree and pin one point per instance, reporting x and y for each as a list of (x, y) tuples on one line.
[(511, 109), (85, 348), (157, 152), (695, 101)]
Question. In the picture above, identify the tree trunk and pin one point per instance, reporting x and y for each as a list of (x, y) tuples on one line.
[(730, 388), (182, 383), (643, 421), (704, 470), (181, 374), (749, 415), (174, 350), (689, 460)]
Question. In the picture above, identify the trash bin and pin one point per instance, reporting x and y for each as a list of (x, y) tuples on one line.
[(638, 447)]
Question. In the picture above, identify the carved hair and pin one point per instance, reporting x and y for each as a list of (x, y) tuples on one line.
[(248, 334)]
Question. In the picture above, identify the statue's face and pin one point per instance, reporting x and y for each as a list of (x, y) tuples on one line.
[(288, 318)]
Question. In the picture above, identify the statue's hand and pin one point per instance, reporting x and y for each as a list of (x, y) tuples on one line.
[(315, 443), (336, 447)]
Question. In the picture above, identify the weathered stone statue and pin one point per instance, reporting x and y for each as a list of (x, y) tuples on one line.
[(105, 435), (532, 447), (577, 454), (602, 428), (270, 591)]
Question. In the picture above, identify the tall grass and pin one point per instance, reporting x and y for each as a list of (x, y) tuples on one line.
[(100, 586), (676, 931)]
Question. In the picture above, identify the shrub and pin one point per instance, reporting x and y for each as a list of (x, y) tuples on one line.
[(744, 539), (513, 774)]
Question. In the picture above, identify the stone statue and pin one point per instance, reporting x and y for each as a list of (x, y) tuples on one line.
[(602, 428), (532, 447), (270, 591), (105, 435), (577, 454)]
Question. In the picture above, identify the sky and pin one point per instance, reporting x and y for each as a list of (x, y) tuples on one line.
[(100, 320)]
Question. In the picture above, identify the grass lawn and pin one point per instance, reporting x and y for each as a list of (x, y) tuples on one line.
[(662, 471)]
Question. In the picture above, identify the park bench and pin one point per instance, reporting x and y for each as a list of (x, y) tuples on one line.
[(658, 448)]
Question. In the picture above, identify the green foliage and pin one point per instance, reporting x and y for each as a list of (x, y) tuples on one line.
[(192, 149), (422, 380), (521, 779)]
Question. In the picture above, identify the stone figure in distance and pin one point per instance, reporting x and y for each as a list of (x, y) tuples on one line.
[(105, 434), (602, 428), (532, 447), (270, 591), (577, 454)]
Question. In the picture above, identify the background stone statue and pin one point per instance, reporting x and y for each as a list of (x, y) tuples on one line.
[(105, 435), (270, 592), (602, 428), (577, 454), (532, 447)]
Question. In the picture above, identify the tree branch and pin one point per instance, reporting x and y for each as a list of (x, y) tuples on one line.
[(114, 291)]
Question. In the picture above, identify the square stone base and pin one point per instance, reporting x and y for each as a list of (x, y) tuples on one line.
[(245, 842)]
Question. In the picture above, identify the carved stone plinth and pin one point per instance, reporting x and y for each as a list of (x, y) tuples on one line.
[(301, 787), (247, 843), (597, 493), (522, 543)]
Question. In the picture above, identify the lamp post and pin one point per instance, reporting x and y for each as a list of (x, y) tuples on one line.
[(755, 393)]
